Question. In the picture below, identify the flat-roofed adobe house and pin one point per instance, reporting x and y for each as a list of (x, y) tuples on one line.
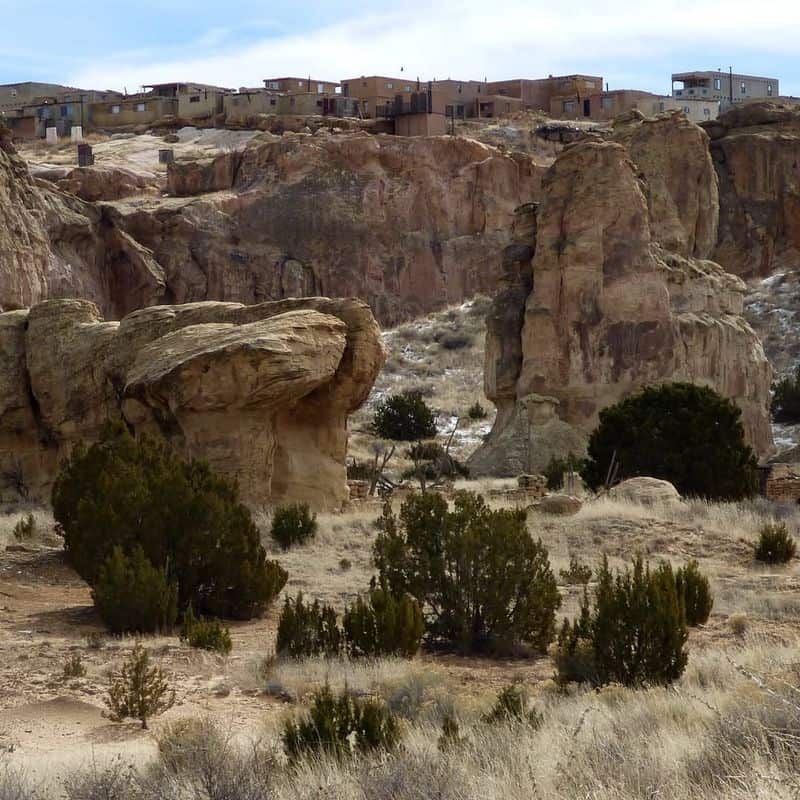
[(376, 91), (132, 111), (301, 86), (723, 86)]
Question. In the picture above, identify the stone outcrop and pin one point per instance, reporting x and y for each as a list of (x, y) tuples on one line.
[(756, 151), (618, 300), (408, 225), (262, 392), (645, 491)]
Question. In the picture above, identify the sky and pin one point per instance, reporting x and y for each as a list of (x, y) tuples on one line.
[(635, 44)]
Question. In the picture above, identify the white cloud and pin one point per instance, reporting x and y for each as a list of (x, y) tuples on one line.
[(622, 39)]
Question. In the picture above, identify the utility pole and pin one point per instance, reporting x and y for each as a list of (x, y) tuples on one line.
[(730, 77)]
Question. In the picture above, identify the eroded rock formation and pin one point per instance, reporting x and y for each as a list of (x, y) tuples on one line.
[(756, 151), (408, 225), (619, 299), (262, 392)]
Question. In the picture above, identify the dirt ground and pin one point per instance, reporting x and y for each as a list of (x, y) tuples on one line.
[(50, 724)]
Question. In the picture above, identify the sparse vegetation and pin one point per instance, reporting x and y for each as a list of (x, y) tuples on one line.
[(73, 667), (25, 529), (556, 468), (382, 624), (483, 581), (476, 411), (293, 524), (404, 417), (307, 629), (513, 706), (775, 544), (339, 726), (686, 434), (635, 634), (128, 493), (786, 399), (694, 593), (139, 691), (577, 573), (131, 595), (205, 634)]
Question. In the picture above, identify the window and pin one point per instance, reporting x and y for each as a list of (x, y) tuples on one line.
[(769, 90), (13, 92), (408, 87), (274, 85), (707, 112), (718, 84), (272, 101), (660, 106), (607, 103), (195, 98), (686, 110), (590, 84), (678, 92), (141, 107), (64, 112), (743, 88), (299, 84), (390, 86), (115, 109), (320, 88), (569, 106)]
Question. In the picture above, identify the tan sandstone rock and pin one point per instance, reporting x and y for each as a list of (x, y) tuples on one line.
[(645, 491), (562, 505), (611, 309), (409, 225), (262, 392), (756, 150)]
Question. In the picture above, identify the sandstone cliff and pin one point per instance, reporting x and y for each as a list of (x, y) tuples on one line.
[(408, 225), (618, 300), (756, 151), (262, 392)]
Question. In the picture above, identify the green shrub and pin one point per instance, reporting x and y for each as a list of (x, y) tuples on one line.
[(307, 629), (205, 634), (383, 624), (293, 524), (477, 411), (404, 417), (688, 435), (131, 595), (139, 691), (775, 545), (25, 528), (577, 573), (512, 705), (73, 667), (694, 593), (339, 726), (557, 467), (483, 581), (786, 399), (122, 492), (636, 633)]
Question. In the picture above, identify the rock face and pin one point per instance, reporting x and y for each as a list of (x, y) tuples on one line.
[(262, 392), (408, 225), (756, 151), (614, 306)]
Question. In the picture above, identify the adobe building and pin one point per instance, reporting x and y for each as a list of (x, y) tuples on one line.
[(695, 109), (301, 86), (252, 102), (130, 112), (376, 91), (422, 114), (723, 86), (549, 94)]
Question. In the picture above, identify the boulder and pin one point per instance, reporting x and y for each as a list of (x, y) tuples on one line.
[(101, 182), (617, 300), (647, 491), (559, 504), (261, 392)]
